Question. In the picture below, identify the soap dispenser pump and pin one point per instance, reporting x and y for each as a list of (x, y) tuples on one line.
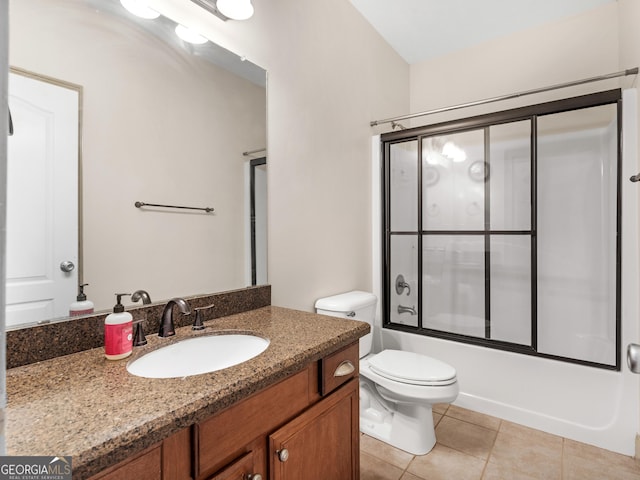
[(118, 331), (81, 306)]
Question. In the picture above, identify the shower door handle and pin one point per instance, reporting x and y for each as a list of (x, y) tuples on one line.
[(633, 357)]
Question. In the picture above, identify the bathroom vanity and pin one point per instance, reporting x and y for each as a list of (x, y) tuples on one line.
[(289, 413)]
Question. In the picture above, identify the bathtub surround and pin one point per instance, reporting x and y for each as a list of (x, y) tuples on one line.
[(43, 342)]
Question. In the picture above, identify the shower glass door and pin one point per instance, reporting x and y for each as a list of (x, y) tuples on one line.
[(503, 230)]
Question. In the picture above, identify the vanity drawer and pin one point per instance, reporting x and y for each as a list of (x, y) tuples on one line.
[(225, 436), (338, 368)]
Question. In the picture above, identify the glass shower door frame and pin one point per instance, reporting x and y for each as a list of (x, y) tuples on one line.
[(485, 122)]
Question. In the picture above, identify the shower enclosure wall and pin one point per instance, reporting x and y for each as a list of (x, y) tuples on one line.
[(504, 231)]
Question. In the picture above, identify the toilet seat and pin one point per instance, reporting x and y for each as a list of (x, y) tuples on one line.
[(412, 368)]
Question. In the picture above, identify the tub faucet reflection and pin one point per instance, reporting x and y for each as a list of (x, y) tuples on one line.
[(141, 295), (403, 309), (167, 328)]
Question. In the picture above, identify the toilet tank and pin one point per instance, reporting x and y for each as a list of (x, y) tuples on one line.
[(353, 305)]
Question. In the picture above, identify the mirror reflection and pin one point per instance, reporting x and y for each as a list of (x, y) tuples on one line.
[(158, 120)]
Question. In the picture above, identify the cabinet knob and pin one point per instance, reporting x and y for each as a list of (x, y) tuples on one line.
[(283, 455), (254, 476)]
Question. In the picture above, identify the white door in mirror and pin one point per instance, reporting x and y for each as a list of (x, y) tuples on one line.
[(42, 201), (198, 355)]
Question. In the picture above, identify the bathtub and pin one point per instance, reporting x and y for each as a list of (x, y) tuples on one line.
[(590, 405)]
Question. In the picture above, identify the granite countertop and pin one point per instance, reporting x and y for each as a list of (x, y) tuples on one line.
[(94, 410)]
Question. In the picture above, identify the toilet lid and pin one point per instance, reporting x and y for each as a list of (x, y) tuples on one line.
[(412, 368)]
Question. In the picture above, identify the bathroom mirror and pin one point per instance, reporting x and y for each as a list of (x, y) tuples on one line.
[(162, 121)]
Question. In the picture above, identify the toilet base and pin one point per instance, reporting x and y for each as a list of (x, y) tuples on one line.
[(408, 427)]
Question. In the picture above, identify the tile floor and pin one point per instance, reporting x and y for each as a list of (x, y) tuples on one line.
[(472, 446)]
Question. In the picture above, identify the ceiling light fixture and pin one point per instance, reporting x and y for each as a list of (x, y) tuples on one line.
[(189, 35), (235, 9), (140, 9)]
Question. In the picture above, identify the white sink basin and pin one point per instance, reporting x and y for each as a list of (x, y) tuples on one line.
[(197, 355)]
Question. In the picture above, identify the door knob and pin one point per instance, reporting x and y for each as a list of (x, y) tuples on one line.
[(283, 455), (254, 476), (67, 266)]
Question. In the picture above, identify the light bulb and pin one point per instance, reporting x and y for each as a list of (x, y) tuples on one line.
[(189, 35), (235, 9), (139, 9)]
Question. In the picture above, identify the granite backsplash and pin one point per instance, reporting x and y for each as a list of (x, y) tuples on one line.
[(50, 340)]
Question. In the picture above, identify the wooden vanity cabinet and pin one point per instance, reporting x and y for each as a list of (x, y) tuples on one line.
[(322, 443), (168, 460), (305, 426)]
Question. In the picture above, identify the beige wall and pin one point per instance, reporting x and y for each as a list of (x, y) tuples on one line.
[(159, 126), (329, 75), (333, 75), (577, 47)]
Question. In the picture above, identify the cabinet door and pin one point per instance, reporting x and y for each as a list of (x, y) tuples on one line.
[(242, 469), (322, 443)]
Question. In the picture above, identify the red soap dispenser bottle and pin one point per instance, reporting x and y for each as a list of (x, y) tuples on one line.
[(118, 332)]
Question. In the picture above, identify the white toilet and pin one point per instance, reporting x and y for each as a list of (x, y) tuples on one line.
[(397, 388)]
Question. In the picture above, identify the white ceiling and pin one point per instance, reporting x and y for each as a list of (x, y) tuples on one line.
[(422, 29)]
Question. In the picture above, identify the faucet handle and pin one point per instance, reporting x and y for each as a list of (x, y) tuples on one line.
[(138, 334), (197, 323), (401, 285)]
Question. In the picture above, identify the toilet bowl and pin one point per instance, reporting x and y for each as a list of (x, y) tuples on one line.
[(397, 388)]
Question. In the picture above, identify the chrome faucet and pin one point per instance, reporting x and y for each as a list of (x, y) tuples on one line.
[(167, 328), (403, 309)]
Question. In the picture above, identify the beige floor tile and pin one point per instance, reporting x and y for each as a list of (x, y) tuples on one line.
[(494, 471), (527, 433), (385, 452), (476, 418), (440, 408), (516, 452), (465, 437), (372, 468), (436, 419), (539, 455), (410, 476), (585, 462), (444, 463)]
